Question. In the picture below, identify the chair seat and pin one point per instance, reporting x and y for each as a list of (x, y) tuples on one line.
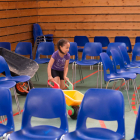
[(7, 84), (38, 133), (133, 64), (125, 75), (93, 134), (4, 129), (80, 49), (88, 62), (132, 70), (42, 60), (22, 78)]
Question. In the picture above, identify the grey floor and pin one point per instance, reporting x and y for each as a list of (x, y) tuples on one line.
[(89, 82)]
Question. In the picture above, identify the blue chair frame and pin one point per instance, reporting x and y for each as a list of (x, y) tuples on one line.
[(126, 40), (103, 40), (110, 108), (6, 109), (24, 48), (81, 41), (47, 103)]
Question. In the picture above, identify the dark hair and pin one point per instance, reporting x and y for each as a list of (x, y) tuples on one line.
[(61, 43)]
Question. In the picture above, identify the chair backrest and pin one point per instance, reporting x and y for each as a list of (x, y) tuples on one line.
[(45, 103), (5, 45), (137, 126), (4, 67), (102, 104), (24, 48), (126, 40), (81, 40), (117, 59), (92, 49), (73, 50), (45, 48), (114, 46), (136, 51), (123, 51), (107, 64), (6, 106), (137, 40), (102, 39), (37, 31)]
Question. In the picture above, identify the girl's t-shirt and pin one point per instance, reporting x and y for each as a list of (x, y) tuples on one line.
[(59, 62)]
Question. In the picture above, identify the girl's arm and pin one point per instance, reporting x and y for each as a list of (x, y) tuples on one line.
[(66, 69), (49, 69)]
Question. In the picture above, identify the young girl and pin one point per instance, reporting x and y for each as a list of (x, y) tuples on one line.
[(58, 64)]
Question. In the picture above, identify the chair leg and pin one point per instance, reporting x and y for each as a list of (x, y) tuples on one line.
[(36, 76), (81, 74), (135, 91), (127, 94), (75, 76), (72, 73), (101, 75), (107, 84), (17, 102), (121, 84), (114, 84), (98, 76)]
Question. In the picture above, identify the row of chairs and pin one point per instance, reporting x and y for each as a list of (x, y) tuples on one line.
[(82, 40), (40, 103), (127, 70)]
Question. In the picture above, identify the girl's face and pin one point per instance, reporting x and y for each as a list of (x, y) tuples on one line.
[(65, 48)]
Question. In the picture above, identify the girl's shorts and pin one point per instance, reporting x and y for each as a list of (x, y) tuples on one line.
[(56, 73)]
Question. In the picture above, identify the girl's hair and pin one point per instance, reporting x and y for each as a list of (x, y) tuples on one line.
[(61, 43)]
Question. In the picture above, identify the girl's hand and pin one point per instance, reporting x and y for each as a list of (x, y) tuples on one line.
[(50, 78), (66, 78)]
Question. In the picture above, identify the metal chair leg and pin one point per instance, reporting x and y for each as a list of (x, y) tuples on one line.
[(98, 76), (75, 75), (127, 95), (101, 75), (17, 102), (81, 74), (135, 91)]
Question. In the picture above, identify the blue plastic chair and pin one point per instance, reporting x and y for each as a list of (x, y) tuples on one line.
[(137, 40), (113, 75), (4, 68), (81, 41), (6, 109), (24, 48), (44, 48), (38, 35), (118, 61), (103, 40), (135, 53), (126, 40), (73, 51), (5, 45), (43, 103), (128, 64), (114, 46), (137, 127), (91, 49), (110, 105)]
